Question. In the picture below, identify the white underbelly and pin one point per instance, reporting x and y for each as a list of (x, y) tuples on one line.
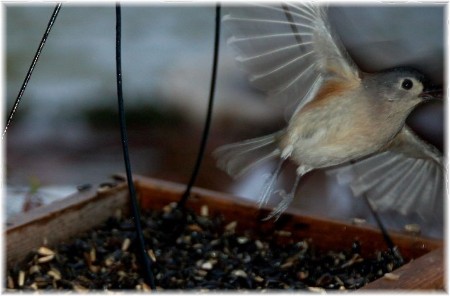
[(318, 152)]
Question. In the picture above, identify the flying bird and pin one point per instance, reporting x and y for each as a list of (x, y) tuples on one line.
[(339, 117)]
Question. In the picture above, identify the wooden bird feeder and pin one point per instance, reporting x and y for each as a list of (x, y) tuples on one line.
[(66, 218)]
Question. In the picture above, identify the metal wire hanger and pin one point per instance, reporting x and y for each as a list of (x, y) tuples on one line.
[(50, 24)]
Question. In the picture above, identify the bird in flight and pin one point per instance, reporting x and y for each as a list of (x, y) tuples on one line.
[(339, 116)]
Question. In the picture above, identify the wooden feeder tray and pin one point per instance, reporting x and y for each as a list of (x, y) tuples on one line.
[(86, 209)]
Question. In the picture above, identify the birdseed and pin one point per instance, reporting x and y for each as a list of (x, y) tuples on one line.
[(193, 252)]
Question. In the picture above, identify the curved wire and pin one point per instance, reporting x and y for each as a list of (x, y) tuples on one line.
[(206, 128), (146, 262), (32, 66)]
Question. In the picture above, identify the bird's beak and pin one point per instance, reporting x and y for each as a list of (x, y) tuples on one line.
[(434, 92)]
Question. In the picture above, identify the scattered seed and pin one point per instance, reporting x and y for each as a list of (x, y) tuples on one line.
[(243, 240), (204, 211), (42, 281), (44, 251), (151, 254), (207, 265), (133, 262), (197, 246), (202, 272), (79, 288), (194, 227), (259, 244), (93, 255), (303, 245), (287, 264), (169, 208), (302, 275), (187, 239), (215, 242), (391, 276), (413, 229), (109, 261), (355, 259), (207, 255), (21, 278), (240, 273), (317, 290), (103, 188), (126, 244), (359, 221), (283, 233), (339, 281), (54, 273), (390, 267), (34, 269), (94, 268), (231, 226), (10, 282), (118, 214), (46, 259), (145, 287)]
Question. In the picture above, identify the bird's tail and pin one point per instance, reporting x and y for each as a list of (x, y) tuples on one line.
[(239, 157)]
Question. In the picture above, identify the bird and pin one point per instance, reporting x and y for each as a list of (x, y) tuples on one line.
[(340, 118)]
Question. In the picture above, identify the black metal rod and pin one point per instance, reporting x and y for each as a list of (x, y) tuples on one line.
[(146, 262), (387, 238), (32, 66), (206, 128)]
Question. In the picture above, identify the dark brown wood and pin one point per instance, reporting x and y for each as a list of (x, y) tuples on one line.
[(155, 194), (61, 220), (66, 218), (426, 272)]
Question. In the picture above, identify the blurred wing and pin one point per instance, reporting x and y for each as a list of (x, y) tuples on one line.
[(288, 49), (407, 178), (409, 144)]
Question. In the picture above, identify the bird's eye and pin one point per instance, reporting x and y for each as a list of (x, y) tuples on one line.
[(407, 84)]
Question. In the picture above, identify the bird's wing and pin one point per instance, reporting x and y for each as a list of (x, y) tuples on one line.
[(288, 49), (408, 177)]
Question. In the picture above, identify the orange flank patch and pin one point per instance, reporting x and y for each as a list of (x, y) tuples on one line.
[(330, 90)]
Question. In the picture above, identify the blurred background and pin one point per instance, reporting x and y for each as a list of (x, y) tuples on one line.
[(66, 133)]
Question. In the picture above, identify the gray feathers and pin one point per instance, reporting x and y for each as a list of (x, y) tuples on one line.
[(286, 49), (237, 158), (408, 177), (290, 52), (393, 181)]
